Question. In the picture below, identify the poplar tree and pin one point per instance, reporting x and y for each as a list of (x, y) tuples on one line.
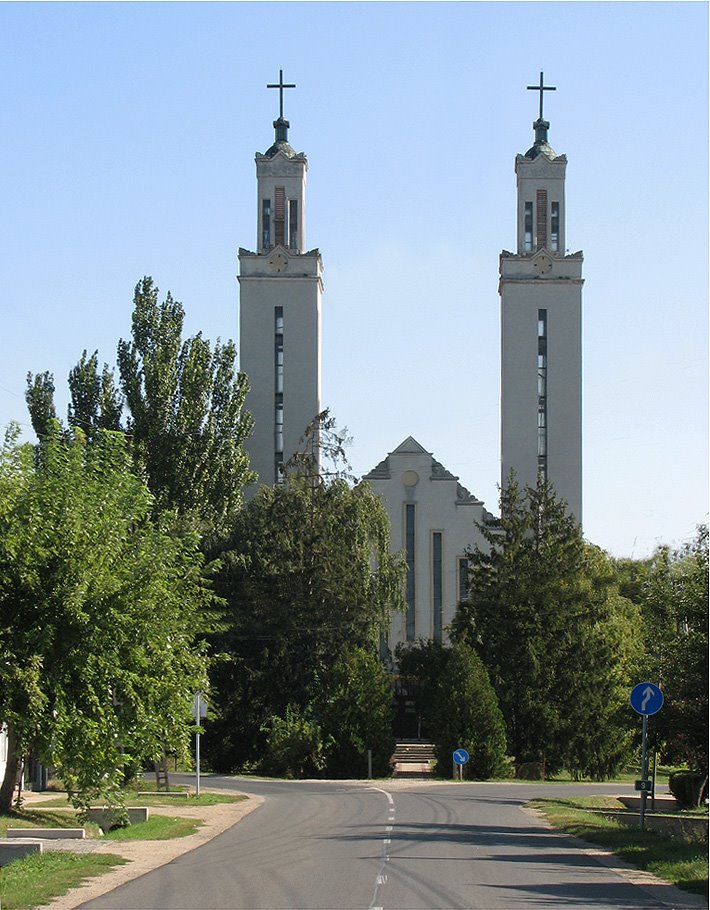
[(186, 414), (181, 404)]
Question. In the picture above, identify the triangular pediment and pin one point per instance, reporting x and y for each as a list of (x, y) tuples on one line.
[(410, 446)]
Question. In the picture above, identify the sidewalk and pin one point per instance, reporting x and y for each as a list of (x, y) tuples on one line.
[(144, 856)]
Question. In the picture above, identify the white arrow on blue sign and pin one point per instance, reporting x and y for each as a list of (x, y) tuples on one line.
[(646, 699), (461, 756)]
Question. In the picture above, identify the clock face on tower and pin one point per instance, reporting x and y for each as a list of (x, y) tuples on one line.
[(278, 262), (542, 265)]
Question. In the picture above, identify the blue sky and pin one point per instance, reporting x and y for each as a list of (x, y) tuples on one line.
[(128, 140)]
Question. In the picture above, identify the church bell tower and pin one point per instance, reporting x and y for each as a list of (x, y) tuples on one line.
[(280, 308), (541, 330)]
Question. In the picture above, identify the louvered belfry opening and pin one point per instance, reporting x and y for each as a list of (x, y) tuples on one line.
[(541, 224), (280, 216)]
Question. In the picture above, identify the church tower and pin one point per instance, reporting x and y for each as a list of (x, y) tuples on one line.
[(280, 308), (541, 331)]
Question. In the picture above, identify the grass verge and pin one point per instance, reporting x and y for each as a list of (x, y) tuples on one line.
[(40, 818), (159, 827), (681, 862), (35, 880), (156, 799)]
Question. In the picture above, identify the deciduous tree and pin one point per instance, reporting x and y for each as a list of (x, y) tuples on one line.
[(98, 614), (675, 607), (185, 416), (308, 578)]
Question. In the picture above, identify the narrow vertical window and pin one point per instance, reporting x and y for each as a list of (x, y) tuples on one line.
[(293, 239), (542, 394), (528, 228), (555, 226), (437, 583), (463, 579), (409, 529), (265, 223), (278, 392), (280, 216), (541, 220)]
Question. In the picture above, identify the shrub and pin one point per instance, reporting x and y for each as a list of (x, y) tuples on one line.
[(690, 788), (295, 746)]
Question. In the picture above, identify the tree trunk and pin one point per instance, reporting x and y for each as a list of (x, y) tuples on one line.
[(13, 770)]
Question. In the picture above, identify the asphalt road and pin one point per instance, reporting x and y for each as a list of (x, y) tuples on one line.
[(322, 846)]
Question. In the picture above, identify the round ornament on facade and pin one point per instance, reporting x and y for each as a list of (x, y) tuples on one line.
[(278, 262), (542, 265), (410, 478)]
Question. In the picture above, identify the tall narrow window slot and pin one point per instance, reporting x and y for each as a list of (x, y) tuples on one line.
[(265, 223), (293, 239), (463, 579), (278, 392), (541, 219), (437, 583), (554, 226), (280, 216), (542, 394), (409, 515), (528, 228)]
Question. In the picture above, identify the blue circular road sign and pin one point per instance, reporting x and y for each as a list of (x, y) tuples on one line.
[(646, 698), (461, 756)]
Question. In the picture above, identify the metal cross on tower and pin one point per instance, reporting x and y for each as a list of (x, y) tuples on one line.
[(542, 88), (281, 85)]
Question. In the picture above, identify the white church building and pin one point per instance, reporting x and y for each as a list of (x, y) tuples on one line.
[(433, 518)]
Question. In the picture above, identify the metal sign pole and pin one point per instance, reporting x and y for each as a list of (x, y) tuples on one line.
[(644, 768), (197, 745)]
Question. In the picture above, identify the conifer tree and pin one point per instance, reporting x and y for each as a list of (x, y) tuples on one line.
[(555, 636)]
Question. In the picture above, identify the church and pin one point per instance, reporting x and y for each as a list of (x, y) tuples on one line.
[(433, 517)]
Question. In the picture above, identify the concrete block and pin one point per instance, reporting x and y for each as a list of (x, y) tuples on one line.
[(106, 819), (11, 850), (47, 833)]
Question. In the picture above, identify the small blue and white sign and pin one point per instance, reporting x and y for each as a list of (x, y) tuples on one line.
[(461, 757), (646, 699)]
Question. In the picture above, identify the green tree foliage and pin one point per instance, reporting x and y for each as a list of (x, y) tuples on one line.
[(353, 703), (98, 612), (459, 708), (185, 411), (545, 615), (39, 396), (674, 600), (308, 578), (294, 744), (185, 402), (96, 404)]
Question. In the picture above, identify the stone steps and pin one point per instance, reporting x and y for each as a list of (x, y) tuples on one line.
[(413, 760)]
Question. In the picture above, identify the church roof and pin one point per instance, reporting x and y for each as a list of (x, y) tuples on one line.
[(410, 446), (283, 146)]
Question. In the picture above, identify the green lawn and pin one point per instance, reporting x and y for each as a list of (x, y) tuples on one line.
[(159, 827), (676, 860), (35, 880), (158, 799), (41, 818)]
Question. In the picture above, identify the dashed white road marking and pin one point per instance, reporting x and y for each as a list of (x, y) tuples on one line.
[(381, 878)]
